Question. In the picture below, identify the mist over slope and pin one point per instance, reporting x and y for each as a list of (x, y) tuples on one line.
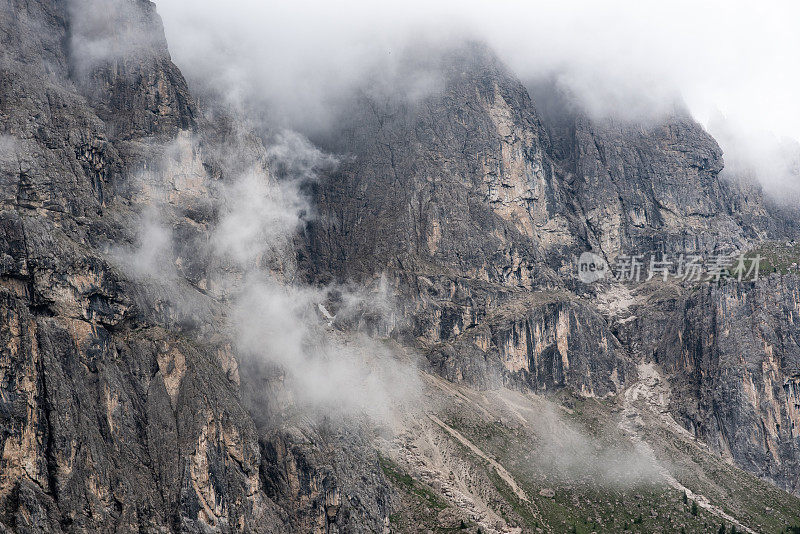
[(328, 283), (734, 68)]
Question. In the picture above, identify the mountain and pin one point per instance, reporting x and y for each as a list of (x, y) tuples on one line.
[(152, 245), (477, 208)]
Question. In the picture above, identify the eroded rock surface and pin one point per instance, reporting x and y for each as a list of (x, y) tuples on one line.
[(476, 205), (123, 411), (119, 410)]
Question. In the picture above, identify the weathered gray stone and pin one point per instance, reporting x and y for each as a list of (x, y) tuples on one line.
[(124, 411)]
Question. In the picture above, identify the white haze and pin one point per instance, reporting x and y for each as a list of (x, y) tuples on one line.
[(272, 321), (260, 216), (106, 30), (735, 65), (737, 69), (153, 256)]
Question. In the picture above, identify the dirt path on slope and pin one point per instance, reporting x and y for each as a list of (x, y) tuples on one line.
[(651, 390), (499, 469)]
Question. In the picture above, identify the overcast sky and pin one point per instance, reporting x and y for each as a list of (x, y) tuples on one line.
[(736, 65)]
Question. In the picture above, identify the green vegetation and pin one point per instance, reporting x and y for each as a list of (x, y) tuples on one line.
[(583, 501), (406, 483), (519, 507), (777, 257)]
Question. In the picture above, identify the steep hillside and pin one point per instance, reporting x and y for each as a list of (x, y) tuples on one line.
[(506, 461), (204, 328), (476, 206), (121, 402)]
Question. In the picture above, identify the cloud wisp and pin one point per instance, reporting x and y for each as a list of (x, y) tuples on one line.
[(276, 324), (634, 60)]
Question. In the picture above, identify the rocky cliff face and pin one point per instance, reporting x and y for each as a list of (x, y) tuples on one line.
[(115, 417), (476, 206), (122, 403), (732, 355)]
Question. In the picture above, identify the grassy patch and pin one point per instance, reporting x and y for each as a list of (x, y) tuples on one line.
[(519, 507), (406, 483), (777, 257)]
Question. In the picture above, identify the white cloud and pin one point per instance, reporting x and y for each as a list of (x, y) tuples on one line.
[(272, 321), (735, 59), (110, 30)]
